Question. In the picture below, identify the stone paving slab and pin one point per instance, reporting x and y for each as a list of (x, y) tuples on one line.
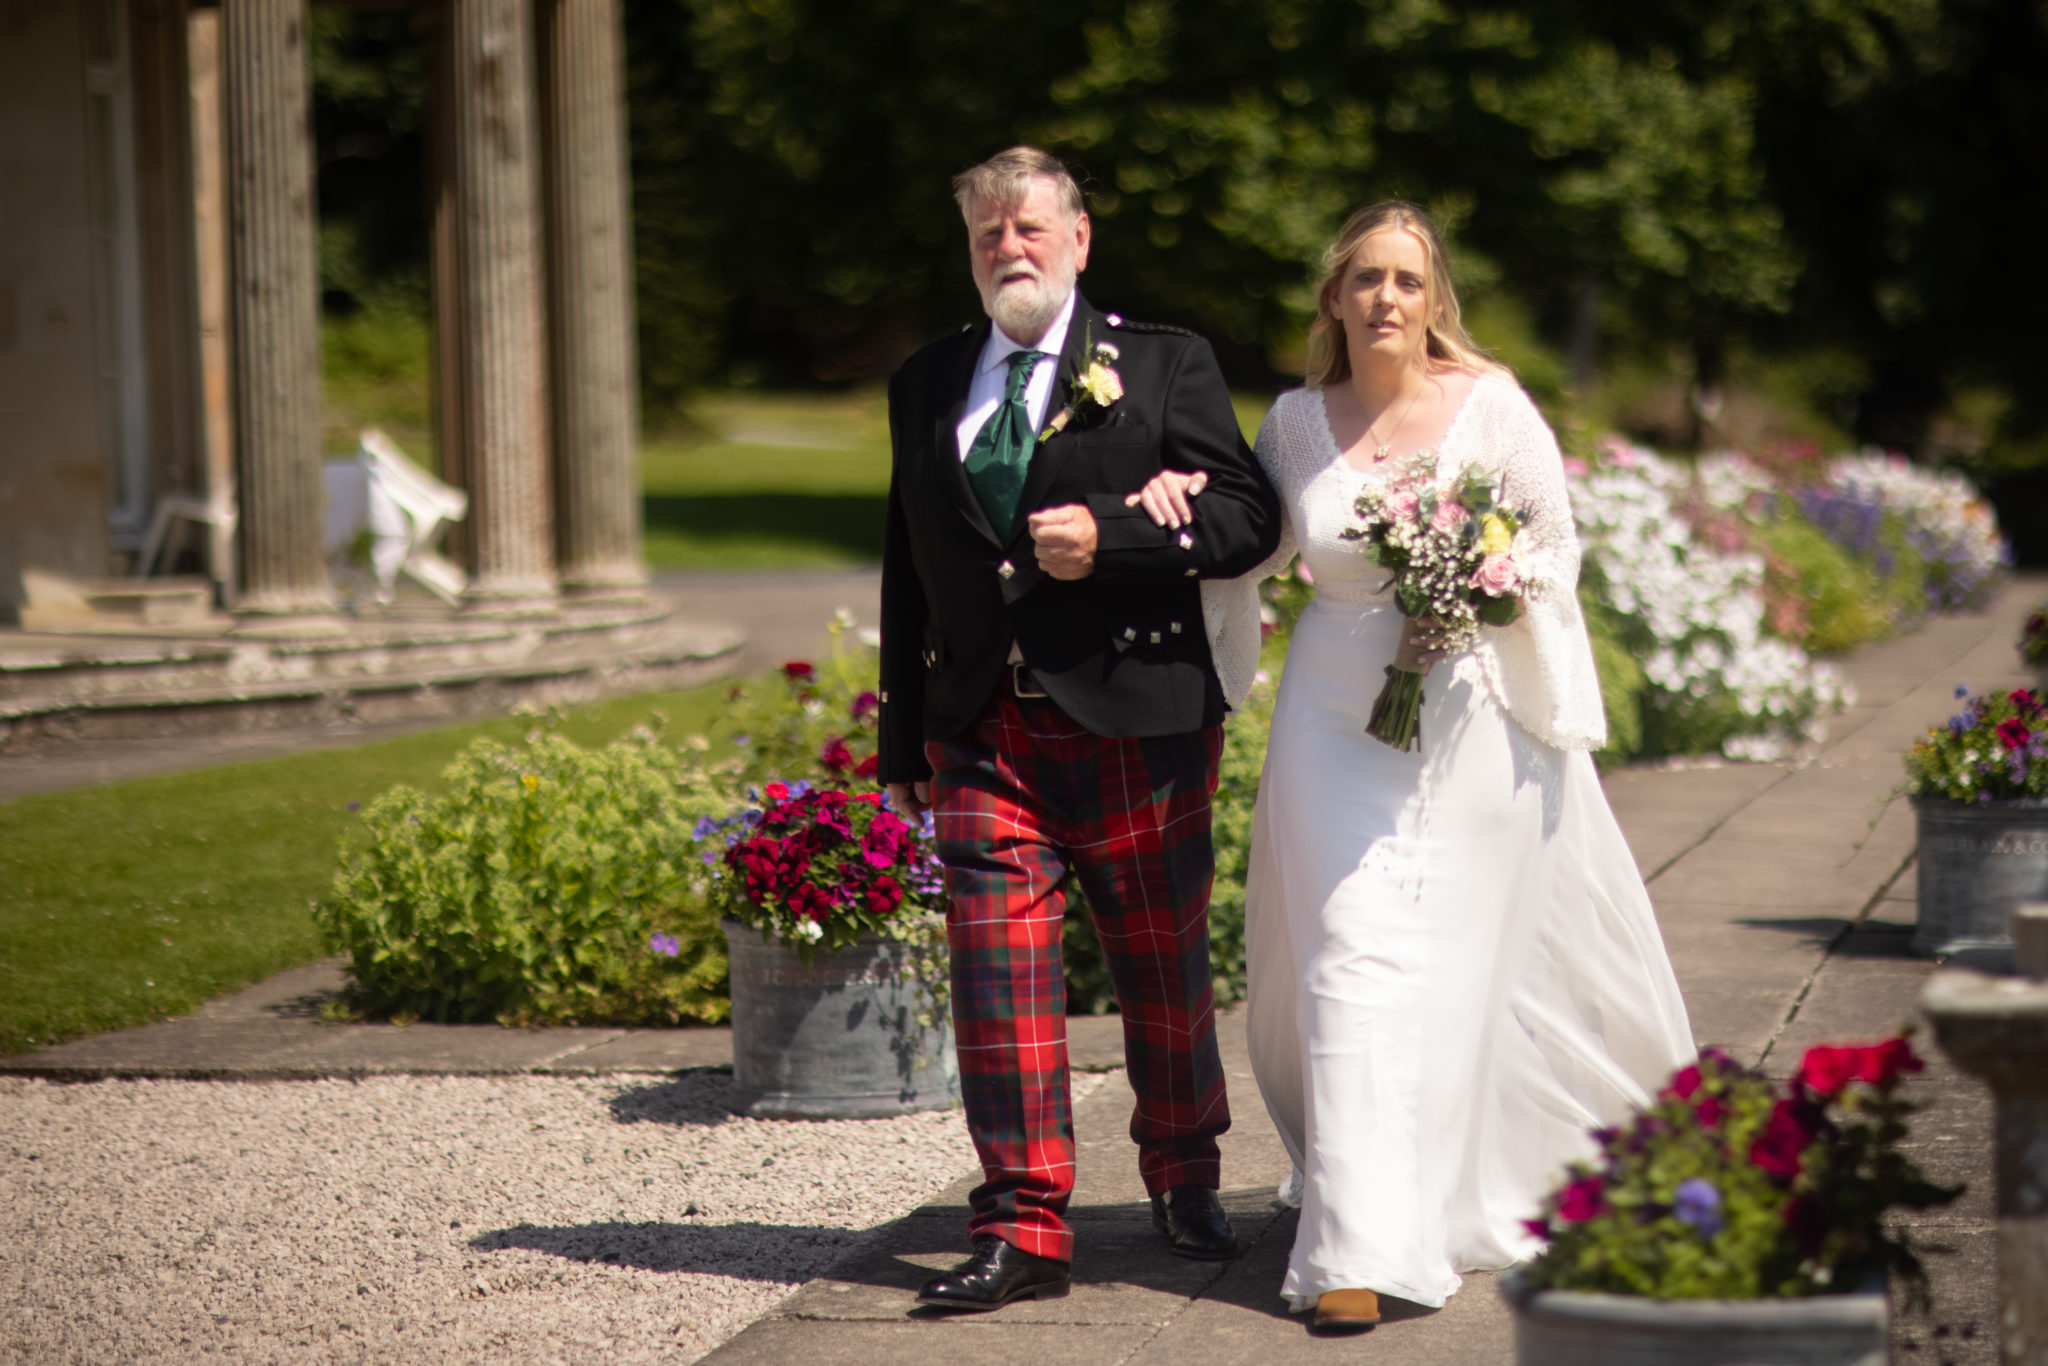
[(272, 1032)]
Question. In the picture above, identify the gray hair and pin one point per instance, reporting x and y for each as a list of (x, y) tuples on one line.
[(1005, 179)]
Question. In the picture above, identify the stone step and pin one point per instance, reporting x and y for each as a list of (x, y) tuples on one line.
[(95, 606), (265, 685)]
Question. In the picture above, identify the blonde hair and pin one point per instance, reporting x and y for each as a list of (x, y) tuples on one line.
[(1004, 180), (1446, 343)]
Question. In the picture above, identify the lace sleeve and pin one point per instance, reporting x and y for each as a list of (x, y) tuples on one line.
[(1541, 668), (1230, 607)]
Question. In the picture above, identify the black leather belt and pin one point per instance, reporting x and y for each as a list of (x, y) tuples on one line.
[(1022, 684)]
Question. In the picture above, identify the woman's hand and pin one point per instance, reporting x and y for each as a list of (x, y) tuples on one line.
[(1425, 642), (1165, 498)]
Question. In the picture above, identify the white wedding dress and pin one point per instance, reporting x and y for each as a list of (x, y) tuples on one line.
[(1454, 968)]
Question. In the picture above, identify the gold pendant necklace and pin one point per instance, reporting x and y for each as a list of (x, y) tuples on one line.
[(1386, 448)]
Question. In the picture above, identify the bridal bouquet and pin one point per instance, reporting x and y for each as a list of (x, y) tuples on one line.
[(1453, 554)]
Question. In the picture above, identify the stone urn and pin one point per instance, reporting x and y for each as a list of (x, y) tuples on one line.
[(837, 1038), (1581, 1328), (1978, 861)]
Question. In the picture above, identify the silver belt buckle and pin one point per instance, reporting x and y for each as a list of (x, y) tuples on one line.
[(1021, 682)]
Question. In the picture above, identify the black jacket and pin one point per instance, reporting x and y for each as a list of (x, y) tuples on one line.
[(1122, 651)]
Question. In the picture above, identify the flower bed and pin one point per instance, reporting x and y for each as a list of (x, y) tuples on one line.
[(1709, 584), (1713, 676)]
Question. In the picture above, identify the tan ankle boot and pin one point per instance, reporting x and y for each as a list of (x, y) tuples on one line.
[(1347, 1309)]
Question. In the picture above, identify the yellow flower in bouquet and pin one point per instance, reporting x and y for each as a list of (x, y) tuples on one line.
[(1495, 535)]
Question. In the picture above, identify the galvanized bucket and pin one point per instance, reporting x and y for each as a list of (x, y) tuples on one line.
[(1578, 1328), (1978, 861), (838, 1039)]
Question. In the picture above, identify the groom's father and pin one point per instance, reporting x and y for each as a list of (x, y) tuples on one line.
[(1047, 690)]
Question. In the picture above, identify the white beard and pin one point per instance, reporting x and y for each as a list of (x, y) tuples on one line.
[(1025, 308)]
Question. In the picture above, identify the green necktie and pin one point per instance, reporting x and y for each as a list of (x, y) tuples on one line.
[(1001, 452)]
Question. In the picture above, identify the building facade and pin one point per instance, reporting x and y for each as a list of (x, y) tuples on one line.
[(159, 329)]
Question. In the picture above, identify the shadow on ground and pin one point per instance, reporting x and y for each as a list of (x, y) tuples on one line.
[(697, 1096), (788, 1253)]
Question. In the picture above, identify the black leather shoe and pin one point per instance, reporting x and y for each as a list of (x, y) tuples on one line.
[(1193, 1220), (997, 1273)]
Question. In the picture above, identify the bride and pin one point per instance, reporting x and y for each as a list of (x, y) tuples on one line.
[(1454, 969)]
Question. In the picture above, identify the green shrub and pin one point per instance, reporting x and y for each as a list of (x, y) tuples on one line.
[(1622, 680), (1846, 601), (533, 890)]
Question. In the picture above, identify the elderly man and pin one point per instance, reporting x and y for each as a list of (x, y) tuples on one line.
[(1047, 691)]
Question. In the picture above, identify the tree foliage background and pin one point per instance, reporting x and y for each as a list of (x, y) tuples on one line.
[(1684, 182)]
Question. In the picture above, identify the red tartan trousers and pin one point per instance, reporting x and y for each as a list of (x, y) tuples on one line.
[(1020, 799)]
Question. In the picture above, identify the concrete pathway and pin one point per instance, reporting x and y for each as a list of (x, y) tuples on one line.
[(1786, 897)]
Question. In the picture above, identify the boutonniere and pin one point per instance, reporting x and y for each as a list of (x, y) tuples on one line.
[(1097, 386)]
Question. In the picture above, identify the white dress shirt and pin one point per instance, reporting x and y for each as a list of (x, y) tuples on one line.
[(992, 377)]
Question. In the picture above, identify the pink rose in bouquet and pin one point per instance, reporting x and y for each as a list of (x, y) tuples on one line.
[(1497, 576)]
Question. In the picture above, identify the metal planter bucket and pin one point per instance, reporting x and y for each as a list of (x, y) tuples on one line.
[(1577, 1328), (836, 1040), (1978, 860)]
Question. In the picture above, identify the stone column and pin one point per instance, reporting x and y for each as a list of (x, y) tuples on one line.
[(1996, 1028), (500, 354), (590, 316), (273, 326)]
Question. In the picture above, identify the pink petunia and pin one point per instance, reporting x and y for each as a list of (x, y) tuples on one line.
[(1581, 1200), (1781, 1148), (1684, 1082)]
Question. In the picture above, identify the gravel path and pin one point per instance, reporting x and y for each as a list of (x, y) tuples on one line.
[(428, 1219)]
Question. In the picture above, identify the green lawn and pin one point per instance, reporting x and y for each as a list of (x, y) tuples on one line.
[(136, 901)]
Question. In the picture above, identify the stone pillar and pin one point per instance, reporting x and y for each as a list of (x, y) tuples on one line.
[(500, 355), (273, 326), (590, 315), (1996, 1028)]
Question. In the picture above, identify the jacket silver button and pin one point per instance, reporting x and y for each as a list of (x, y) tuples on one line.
[(1191, 572), (1130, 633), (1006, 569), (1176, 628), (885, 695), (1187, 542), (1155, 637)]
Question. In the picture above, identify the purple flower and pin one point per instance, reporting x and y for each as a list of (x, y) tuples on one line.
[(665, 944), (355, 806), (1698, 1202)]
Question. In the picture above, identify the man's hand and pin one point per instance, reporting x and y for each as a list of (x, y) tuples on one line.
[(911, 800), (1065, 540)]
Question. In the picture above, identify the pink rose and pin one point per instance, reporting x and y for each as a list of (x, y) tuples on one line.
[(1497, 575), (1449, 517), (1401, 506)]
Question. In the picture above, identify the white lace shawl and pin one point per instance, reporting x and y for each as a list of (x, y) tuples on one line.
[(1540, 669)]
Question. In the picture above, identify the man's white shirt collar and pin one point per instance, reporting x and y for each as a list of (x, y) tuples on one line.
[(996, 350), (990, 382)]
